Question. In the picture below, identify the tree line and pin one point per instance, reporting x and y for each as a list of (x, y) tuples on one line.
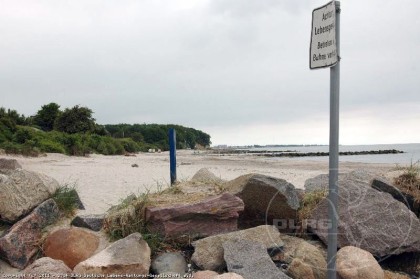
[(74, 131)]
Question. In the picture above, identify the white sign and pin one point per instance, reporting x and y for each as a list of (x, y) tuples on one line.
[(323, 51)]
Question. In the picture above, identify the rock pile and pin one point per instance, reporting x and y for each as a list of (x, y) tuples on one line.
[(219, 222)]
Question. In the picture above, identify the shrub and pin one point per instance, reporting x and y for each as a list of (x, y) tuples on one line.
[(50, 146), (129, 145), (12, 148), (22, 135)]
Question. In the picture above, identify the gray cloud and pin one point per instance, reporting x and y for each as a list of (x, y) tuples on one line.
[(216, 65)]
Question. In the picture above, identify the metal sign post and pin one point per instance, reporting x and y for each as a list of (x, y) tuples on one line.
[(172, 154), (324, 52)]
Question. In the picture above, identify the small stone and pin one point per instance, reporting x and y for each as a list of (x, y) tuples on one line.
[(170, 262), (298, 269), (355, 263), (49, 266), (92, 222)]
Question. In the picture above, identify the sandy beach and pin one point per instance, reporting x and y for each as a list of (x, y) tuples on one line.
[(103, 181)]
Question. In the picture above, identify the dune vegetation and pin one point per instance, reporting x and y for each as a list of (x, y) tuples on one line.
[(74, 131)]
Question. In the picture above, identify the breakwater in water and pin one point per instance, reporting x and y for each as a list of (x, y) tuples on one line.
[(293, 153)]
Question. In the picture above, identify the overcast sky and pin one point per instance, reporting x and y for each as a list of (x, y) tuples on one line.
[(236, 69)]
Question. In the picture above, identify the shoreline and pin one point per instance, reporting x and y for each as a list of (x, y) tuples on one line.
[(103, 181)]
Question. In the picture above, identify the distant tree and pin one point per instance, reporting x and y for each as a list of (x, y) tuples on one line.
[(75, 120), (13, 115), (46, 116)]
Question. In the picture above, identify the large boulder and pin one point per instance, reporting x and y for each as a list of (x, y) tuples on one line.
[(250, 259), (21, 242), (355, 263), (9, 164), (208, 253), (368, 219), (319, 183), (410, 201), (71, 245), (45, 265), (214, 215), (268, 200), (130, 255), (23, 190)]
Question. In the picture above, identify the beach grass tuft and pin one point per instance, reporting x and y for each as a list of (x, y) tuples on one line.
[(310, 202), (409, 181), (127, 217), (66, 198)]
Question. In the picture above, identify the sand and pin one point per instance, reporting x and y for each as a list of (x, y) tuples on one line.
[(103, 181)]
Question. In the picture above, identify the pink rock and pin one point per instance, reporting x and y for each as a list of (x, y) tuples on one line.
[(229, 275), (71, 245), (21, 243), (215, 215), (206, 274)]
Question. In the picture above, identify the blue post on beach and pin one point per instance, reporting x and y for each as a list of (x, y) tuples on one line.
[(172, 154)]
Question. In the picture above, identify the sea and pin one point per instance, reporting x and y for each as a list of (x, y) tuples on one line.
[(411, 153)]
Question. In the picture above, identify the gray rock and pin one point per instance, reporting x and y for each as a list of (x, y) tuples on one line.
[(250, 259), (371, 220), (49, 266), (208, 253), (170, 263), (92, 222), (268, 200), (20, 243), (23, 190), (9, 164), (319, 182), (79, 202), (205, 176), (383, 185), (130, 255)]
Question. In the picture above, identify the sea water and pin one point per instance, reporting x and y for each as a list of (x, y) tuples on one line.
[(411, 153)]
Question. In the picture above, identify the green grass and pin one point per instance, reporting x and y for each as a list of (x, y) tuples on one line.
[(66, 198)]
